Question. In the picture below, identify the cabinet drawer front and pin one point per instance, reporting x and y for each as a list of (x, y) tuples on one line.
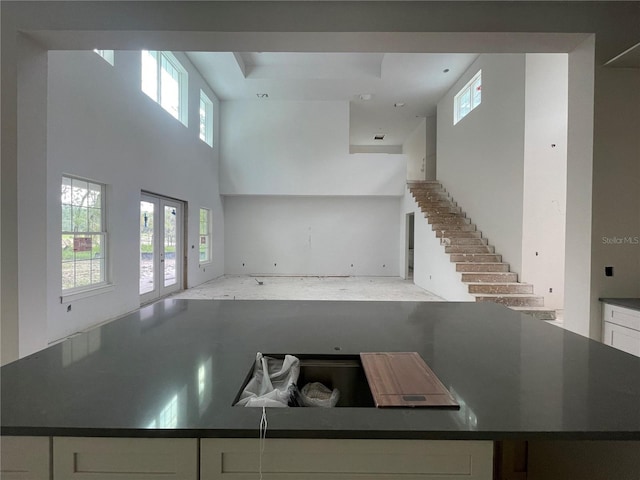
[(118, 458), (622, 316), (282, 459), (25, 458)]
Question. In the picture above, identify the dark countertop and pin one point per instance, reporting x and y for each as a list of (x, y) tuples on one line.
[(632, 303), (174, 368)]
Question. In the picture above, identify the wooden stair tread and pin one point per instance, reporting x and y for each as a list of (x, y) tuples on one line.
[(507, 295)]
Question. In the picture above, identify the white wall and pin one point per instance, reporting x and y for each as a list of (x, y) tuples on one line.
[(480, 158), (579, 308), (312, 235), (432, 138), (102, 127), (299, 148), (297, 202), (616, 192), (545, 176), (415, 148), (32, 145)]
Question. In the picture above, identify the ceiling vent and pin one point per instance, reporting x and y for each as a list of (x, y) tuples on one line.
[(379, 136)]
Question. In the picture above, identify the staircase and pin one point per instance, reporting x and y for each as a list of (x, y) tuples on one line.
[(488, 278)]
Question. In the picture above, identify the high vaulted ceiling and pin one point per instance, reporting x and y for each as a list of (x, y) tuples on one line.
[(418, 80)]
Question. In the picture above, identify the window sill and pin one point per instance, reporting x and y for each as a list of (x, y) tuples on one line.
[(73, 296)]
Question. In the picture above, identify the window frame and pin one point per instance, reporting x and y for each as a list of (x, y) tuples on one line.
[(107, 55), (183, 83), (207, 235), (76, 292), (467, 89), (208, 119)]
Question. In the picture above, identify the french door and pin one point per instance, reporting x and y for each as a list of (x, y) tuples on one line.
[(161, 250)]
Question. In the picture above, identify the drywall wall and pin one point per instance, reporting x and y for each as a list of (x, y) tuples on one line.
[(32, 144), (299, 148), (103, 128), (374, 149), (296, 201), (432, 148), (578, 297), (616, 191), (545, 176), (312, 235), (415, 148), (480, 158)]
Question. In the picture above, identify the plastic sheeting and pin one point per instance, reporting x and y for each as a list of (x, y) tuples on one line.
[(273, 382)]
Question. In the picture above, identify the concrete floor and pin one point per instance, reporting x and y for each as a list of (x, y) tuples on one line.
[(245, 287)]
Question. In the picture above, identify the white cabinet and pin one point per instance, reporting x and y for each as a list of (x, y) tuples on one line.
[(621, 328), (74, 458), (305, 459), (25, 458), (119, 458)]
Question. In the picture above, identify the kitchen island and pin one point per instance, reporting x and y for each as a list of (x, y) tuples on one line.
[(173, 370)]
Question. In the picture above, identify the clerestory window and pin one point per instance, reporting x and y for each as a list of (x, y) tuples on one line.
[(165, 81), (468, 98)]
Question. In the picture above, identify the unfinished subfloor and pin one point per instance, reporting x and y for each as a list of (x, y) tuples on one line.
[(244, 287)]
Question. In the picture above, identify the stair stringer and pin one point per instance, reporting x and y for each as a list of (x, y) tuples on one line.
[(433, 270)]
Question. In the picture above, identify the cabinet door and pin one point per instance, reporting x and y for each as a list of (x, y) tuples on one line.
[(123, 458), (25, 458), (308, 459), (622, 338)]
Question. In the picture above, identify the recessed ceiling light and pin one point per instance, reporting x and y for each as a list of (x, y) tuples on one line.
[(399, 104), (446, 70), (365, 96), (262, 95)]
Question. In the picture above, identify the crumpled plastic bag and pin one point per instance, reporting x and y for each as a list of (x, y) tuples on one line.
[(272, 383), (316, 394)]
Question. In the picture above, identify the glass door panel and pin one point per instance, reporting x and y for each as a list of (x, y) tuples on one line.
[(147, 247), (169, 245)]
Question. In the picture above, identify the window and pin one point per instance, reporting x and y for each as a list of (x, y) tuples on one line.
[(468, 98), (206, 119), (205, 235), (106, 54), (83, 234), (164, 79)]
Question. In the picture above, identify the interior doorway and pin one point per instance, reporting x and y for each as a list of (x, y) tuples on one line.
[(409, 248), (161, 246)]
